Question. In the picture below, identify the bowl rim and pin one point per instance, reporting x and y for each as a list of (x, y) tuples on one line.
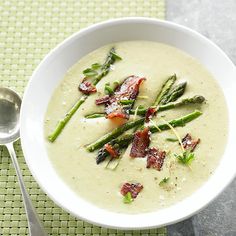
[(69, 39)]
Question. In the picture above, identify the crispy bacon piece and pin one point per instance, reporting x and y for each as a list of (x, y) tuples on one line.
[(151, 111), (189, 143), (87, 87), (155, 158), (111, 150), (133, 188), (140, 143), (102, 100), (128, 90), (117, 114)]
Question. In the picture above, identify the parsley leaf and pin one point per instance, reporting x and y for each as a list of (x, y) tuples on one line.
[(128, 198), (164, 181), (96, 66), (172, 139), (90, 72), (186, 157)]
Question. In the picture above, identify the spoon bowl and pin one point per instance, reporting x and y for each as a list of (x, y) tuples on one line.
[(10, 103)]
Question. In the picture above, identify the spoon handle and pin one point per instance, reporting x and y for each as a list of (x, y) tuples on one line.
[(35, 227)]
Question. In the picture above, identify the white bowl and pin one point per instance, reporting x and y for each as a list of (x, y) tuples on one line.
[(51, 71)]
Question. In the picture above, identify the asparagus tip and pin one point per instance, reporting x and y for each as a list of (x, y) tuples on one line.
[(199, 99)]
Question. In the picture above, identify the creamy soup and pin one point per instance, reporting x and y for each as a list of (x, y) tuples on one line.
[(101, 184)]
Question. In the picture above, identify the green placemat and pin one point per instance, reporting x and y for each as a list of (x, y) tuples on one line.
[(28, 30)]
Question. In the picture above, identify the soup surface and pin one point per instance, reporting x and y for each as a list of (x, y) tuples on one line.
[(101, 184)]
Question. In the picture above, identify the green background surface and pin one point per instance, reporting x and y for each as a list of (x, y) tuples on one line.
[(29, 29)]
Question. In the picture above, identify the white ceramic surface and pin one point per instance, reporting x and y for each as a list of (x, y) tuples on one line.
[(52, 69)]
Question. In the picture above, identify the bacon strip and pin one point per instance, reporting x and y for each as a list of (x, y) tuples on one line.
[(102, 100), (128, 90), (189, 143), (155, 158), (140, 143), (111, 150), (133, 188), (87, 87), (151, 111)]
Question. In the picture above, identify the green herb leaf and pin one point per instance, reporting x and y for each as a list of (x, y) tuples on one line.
[(128, 198), (90, 72), (115, 56), (108, 89), (164, 181), (172, 139), (126, 102), (96, 66), (95, 115), (186, 157)]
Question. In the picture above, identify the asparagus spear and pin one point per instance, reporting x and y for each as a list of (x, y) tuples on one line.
[(179, 122), (113, 134), (128, 137), (61, 124), (165, 89), (197, 99), (111, 58), (174, 94)]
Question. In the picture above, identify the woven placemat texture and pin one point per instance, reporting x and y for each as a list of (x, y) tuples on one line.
[(29, 29)]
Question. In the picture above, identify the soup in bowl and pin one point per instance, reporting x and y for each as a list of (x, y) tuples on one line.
[(131, 126)]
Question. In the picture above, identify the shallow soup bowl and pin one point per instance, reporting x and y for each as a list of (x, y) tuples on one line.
[(50, 72)]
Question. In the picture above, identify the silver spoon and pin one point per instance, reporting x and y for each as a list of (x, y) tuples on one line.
[(10, 103)]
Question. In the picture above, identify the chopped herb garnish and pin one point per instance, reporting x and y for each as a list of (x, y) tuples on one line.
[(115, 56), (90, 72), (164, 181), (186, 157), (126, 102), (95, 115), (128, 198), (172, 139), (108, 89), (96, 66)]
